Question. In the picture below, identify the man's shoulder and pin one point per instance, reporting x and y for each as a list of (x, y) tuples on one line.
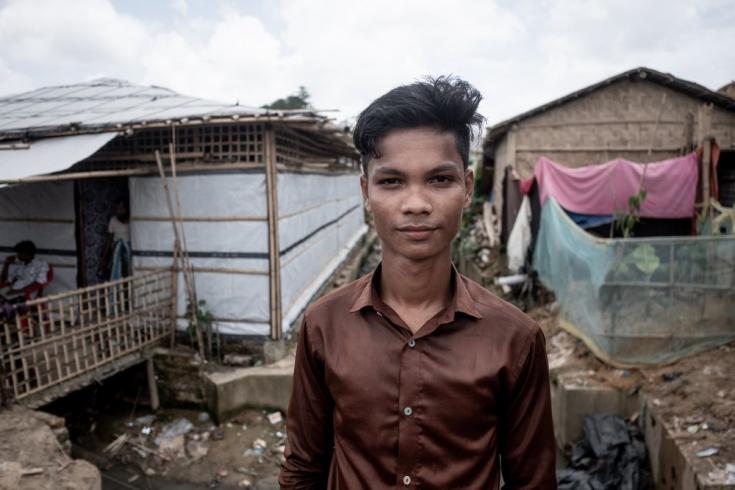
[(338, 302), (499, 313)]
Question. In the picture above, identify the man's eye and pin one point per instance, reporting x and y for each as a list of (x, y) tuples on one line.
[(442, 179), (388, 182)]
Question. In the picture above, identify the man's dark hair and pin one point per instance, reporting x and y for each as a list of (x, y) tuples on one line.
[(446, 103), (26, 247)]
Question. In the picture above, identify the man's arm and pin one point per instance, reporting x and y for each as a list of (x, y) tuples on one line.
[(527, 446), (309, 421)]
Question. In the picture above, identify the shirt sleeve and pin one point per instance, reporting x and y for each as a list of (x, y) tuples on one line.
[(527, 445), (309, 421), (41, 273)]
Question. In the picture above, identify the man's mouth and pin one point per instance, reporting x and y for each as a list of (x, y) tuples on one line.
[(417, 232)]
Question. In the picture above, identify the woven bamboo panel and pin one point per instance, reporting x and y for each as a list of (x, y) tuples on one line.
[(55, 339)]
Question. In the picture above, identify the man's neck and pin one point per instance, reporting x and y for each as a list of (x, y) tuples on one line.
[(416, 290)]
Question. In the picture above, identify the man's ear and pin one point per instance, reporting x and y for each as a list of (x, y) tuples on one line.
[(469, 183), (364, 188)]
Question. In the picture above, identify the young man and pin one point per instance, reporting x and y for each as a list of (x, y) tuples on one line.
[(415, 376)]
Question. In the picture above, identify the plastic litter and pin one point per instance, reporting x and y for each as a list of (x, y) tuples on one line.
[(611, 455), (259, 446), (275, 418), (706, 453), (144, 420), (178, 427)]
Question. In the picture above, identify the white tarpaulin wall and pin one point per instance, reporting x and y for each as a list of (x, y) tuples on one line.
[(43, 213), (320, 219), (226, 231)]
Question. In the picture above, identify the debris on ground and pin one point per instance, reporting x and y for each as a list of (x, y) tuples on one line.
[(611, 455), (187, 446), (694, 397), (275, 418)]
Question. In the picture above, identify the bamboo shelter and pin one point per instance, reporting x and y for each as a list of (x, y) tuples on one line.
[(258, 207)]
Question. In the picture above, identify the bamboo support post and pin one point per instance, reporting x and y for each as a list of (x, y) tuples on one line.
[(152, 385), (706, 163), (184, 252), (174, 296), (183, 265), (274, 258)]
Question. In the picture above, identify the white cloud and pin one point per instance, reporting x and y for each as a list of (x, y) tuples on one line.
[(181, 7), (519, 54), (50, 33)]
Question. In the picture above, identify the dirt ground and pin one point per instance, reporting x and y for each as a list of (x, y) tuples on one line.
[(33, 458), (245, 452), (695, 397)]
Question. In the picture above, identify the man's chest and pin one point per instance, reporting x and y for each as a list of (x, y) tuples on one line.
[(453, 379)]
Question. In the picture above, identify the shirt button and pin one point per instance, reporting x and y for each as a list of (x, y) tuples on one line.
[(408, 411), (412, 343), (407, 480)]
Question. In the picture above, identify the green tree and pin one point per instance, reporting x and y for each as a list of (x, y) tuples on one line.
[(299, 100)]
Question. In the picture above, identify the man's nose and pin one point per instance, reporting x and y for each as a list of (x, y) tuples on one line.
[(416, 202)]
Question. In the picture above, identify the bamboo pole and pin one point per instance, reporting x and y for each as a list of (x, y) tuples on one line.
[(174, 298), (177, 244), (200, 218), (274, 257), (152, 385)]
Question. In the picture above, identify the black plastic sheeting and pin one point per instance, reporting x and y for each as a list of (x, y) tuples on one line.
[(612, 456)]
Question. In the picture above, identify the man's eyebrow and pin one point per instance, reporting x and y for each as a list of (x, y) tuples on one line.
[(389, 171), (443, 167)]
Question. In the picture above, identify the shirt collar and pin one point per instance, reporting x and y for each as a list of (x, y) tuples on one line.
[(462, 301)]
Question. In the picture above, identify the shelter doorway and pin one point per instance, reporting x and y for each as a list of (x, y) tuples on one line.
[(95, 205), (726, 177)]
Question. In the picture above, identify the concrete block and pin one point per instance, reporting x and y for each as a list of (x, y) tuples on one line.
[(671, 468), (274, 351), (267, 387), (574, 396)]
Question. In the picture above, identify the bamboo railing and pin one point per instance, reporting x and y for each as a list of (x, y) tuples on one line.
[(55, 339)]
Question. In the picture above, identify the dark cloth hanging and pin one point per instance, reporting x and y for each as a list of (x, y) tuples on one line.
[(512, 197)]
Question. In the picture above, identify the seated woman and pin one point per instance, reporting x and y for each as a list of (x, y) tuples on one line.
[(22, 278)]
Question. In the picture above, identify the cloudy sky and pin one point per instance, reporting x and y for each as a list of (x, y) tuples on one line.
[(519, 53)]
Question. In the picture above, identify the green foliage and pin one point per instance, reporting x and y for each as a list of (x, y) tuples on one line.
[(299, 100), (640, 264), (203, 315), (463, 245), (627, 221), (645, 259)]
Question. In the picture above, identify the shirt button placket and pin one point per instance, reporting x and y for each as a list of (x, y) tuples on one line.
[(409, 389)]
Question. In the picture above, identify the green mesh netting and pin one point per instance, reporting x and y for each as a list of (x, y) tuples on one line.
[(638, 301)]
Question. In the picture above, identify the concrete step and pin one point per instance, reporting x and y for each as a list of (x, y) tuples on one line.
[(268, 387)]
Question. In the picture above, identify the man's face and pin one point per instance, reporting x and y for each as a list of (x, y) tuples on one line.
[(416, 191), (25, 257), (121, 210)]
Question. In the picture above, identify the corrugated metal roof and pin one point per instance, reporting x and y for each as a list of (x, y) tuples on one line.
[(107, 103)]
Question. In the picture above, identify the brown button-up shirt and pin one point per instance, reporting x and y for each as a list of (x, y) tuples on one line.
[(375, 406)]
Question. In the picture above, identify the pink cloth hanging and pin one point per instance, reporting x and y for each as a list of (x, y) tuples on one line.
[(604, 189)]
